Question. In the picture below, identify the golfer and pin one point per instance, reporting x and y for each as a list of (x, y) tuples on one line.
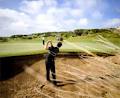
[(50, 60)]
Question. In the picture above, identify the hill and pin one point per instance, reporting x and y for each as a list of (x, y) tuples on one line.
[(107, 33)]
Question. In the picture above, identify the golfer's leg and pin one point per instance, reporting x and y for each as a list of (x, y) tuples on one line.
[(47, 71), (53, 73)]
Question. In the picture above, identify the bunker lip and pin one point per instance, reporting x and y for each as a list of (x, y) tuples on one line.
[(62, 53), (11, 66)]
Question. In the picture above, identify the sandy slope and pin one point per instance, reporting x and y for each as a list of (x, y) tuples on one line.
[(84, 77)]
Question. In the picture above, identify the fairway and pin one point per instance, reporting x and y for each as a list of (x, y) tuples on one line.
[(16, 49), (30, 48)]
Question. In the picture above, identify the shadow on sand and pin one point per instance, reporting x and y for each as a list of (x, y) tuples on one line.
[(11, 66), (60, 83), (64, 83)]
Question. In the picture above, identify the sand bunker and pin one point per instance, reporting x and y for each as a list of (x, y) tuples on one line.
[(78, 77)]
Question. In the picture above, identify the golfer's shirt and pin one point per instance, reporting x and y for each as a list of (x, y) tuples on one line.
[(52, 53)]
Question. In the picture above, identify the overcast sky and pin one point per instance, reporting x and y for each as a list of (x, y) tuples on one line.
[(30, 16)]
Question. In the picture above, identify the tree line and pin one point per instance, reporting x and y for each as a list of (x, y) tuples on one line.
[(66, 34)]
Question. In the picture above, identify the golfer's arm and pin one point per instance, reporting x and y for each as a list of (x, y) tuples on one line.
[(50, 43), (46, 46)]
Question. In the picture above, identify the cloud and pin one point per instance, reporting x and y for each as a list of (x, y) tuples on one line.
[(83, 21), (52, 15), (36, 6), (80, 3), (112, 22), (31, 7), (13, 22), (97, 15)]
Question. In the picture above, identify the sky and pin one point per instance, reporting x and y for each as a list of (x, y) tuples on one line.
[(33, 16)]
